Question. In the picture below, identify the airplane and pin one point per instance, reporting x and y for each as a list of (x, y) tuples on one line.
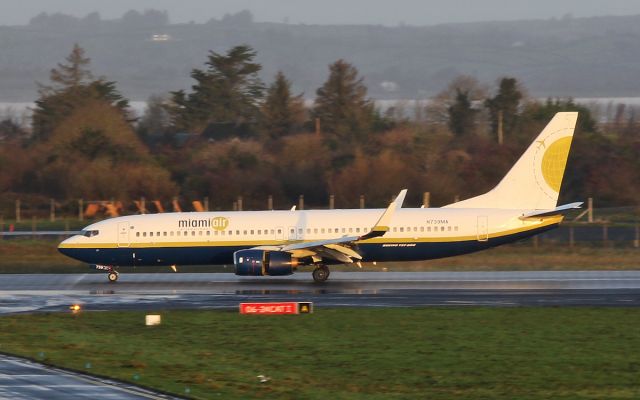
[(276, 243)]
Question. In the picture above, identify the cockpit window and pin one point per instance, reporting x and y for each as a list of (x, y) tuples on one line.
[(90, 233)]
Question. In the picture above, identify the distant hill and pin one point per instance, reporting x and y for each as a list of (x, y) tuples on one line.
[(586, 57)]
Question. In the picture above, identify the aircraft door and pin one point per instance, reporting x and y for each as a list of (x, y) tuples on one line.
[(123, 234), (483, 228)]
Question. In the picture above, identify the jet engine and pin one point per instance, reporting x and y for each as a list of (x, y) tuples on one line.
[(264, 262)]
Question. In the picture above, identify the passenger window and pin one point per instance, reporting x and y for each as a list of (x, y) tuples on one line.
[(237, 232), (171, 233), (357, 230), (186, 233), (144, 234), (164, 233), (442, 228), (215, 233), (350, 230), (279, 230), (449, 228), (401, 229), (322, 230), (193, 233), (158, 234), (200, 233), (150, 233), (415, 229), (137, 234), (428, 229), (422, 229), (273, 231), (343, 230), (230, 233), (395, 229), (221, 233), (315, 230), (245, 232), (300, 231), (252, 231)]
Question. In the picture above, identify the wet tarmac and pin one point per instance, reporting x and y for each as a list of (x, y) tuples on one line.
[(55, 292)]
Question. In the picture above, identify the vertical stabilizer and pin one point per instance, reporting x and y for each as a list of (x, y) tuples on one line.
[(534, 181)]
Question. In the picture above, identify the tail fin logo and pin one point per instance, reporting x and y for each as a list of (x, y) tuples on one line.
[(554, 161), (551, 166)]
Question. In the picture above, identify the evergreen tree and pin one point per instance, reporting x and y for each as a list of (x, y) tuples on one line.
[(462, 115), (345, 112), (72, 85), (228, 91), (281, 112), (504, 106)]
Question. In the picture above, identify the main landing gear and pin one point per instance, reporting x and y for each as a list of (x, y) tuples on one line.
[(321, 273)]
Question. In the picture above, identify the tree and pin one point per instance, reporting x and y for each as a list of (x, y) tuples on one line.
[(155, 122), (437, 110), (72, 85), (345, 112), (94, 152), (228, 91), (462, 115), (281, 112), (504, 107)]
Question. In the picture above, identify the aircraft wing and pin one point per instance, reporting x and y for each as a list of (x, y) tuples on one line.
[(341, 248), (560, 210)]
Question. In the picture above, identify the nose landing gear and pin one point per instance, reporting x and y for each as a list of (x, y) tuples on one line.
[(112, 274)]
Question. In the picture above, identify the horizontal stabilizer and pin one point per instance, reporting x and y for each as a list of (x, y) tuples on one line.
[(561, 210)]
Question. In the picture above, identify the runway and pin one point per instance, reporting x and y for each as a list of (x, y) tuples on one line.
[(143, 291), (22, 379)]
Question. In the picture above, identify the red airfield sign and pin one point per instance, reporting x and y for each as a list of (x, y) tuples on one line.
[(276, 308)]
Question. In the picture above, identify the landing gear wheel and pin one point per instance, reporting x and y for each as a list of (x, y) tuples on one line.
[(113, 276), (321, 274)]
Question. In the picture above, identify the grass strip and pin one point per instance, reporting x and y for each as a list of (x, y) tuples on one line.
[(435, 353)]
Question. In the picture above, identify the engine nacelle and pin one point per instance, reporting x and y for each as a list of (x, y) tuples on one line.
[(264, 262)]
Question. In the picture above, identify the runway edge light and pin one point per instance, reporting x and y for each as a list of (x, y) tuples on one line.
[(276, 308)]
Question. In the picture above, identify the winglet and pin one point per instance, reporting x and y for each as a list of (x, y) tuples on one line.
[(382, 226)]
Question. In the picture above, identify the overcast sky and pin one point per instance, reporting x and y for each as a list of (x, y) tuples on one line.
[(386, 12)]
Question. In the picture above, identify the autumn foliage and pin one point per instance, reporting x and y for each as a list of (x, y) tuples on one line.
[(231, 135)]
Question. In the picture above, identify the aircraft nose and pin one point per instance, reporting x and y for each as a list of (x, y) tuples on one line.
[(65, 247)]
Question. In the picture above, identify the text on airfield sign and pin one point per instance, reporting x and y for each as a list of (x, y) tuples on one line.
[(276, 308)]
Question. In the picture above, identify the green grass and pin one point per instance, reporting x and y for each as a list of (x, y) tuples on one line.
[(461, 353)]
